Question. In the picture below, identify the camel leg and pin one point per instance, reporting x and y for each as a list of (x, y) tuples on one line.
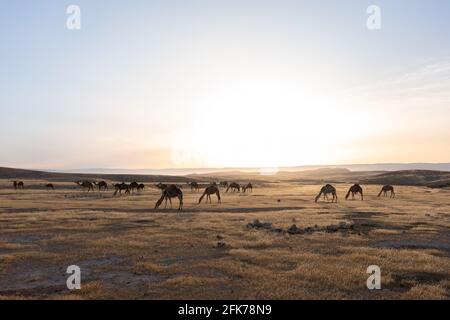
[(218, 197), (180, 199)]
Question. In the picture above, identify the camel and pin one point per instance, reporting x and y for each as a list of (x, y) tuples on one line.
[(386, 189), (354, 189), (161, 186), (121, 186), (224, 184), (50, 186), (246, 187), (234, 186), (133, 185), (194, 186), (141, 187), (18, 185), (101, 185), (327, 189), (170, 192), (212, 189), (85, 184)]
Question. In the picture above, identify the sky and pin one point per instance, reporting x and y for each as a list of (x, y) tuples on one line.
[(179, 84)]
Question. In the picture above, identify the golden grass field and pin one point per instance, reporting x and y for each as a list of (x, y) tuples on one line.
[(128, 250)]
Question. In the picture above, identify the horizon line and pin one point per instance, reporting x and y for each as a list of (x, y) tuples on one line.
[(247, 168)]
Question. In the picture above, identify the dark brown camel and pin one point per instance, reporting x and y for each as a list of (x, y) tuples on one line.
[(224, 184), (234, 186), (18, 185), (121, 187), (327, 189), (170, 192), (102, 185), (50, 186), (194, 186), (86, 184), (247, 187), (354, 189), (212, 189), (386, 189), (141, 187), (161, 186), (134, 185)]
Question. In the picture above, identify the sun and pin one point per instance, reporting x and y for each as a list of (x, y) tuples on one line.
[(264, 124)]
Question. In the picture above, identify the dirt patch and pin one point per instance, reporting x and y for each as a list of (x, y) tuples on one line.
[(413, 245), (405, 281), (293, 229)]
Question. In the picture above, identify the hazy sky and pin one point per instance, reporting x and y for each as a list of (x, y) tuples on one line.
[(151, 84)]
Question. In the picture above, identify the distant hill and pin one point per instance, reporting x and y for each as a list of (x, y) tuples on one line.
[(437, 179), (430, 178), (256, 170), (22, 174)]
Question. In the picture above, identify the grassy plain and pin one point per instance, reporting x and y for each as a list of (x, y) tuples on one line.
[(128, 250)]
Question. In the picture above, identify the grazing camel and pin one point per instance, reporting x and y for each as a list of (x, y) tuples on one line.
[(101, 185), (133, 185), (224, 184), (386, 189), (18, 185), (327, 189), (50, 186), (141, 187), (354, 189), (234, 186), (85, 184), (120, 187), (194, 186), (170, 192), (246, 187), (212, 189), (161, 186)]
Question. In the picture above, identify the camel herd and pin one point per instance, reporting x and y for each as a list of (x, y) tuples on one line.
[(174, 191), (118, 187), (354, 189)]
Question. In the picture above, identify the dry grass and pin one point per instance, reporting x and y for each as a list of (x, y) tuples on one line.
[(128, 250)]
